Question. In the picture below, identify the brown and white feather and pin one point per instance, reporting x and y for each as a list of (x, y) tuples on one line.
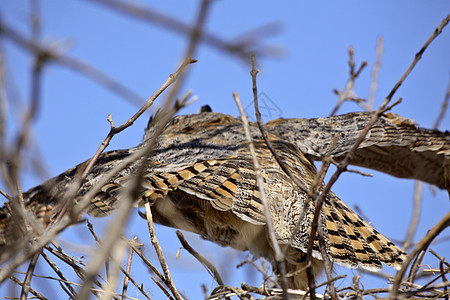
[(200, 178)]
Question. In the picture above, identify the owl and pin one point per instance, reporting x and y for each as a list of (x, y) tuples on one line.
[(200, 177)]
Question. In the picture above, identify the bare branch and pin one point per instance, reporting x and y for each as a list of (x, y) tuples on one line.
[(27, 281), (423, 244), (49, 55), (208, 265), (126, 279), (343, 165), (348, 92), (415, 217), (34, 292), (443, 107), (69, 289), (374, 74), (279, 257), (158, 250), (417, 58), (241, 50)]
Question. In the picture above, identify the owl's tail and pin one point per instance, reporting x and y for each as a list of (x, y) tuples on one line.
[(349, 241), (352, 242)]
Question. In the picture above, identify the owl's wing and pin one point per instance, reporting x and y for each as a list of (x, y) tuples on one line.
[(394, 145), (206, 157), (44, 201)]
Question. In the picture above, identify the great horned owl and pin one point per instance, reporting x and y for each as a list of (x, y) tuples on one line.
[(200, 178)]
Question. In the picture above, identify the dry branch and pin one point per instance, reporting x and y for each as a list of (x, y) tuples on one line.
[(47, 54), (207, 264), (374, 74), (343, 165), (162, 260), (279, 257), (66, 220), (422, 245), (348, 93), (242, 50), (43, 55)]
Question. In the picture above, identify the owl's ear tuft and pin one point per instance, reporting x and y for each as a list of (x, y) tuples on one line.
[(205, 108)]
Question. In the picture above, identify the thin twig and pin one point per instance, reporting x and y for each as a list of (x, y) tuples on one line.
[(442, 259), (4, 194), (134, 246), (117, 253), (241, 50), (348, 92), (72, 63), (191, 48), (71, 291), (331, 280), (285, 169), (415, 217), (70, 261), (162, 289), (260, 269), (343, 165), (207, 264), (443, 107), (126, 279), (27, 281), (33, 291), (279, 257), (423, 244), (162, 260), (374, 74), (261, 290), (145, 260), (418, 56)]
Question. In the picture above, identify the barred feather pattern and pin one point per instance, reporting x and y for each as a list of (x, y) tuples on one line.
[(200, 178)]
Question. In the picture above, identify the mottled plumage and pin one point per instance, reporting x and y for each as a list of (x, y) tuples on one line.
[(200, 178)]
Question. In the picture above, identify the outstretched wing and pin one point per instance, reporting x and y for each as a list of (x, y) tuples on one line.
[(394, 145), (201, 164)]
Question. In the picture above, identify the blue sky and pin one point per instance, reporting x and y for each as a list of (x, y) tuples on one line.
[(314, 36)]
